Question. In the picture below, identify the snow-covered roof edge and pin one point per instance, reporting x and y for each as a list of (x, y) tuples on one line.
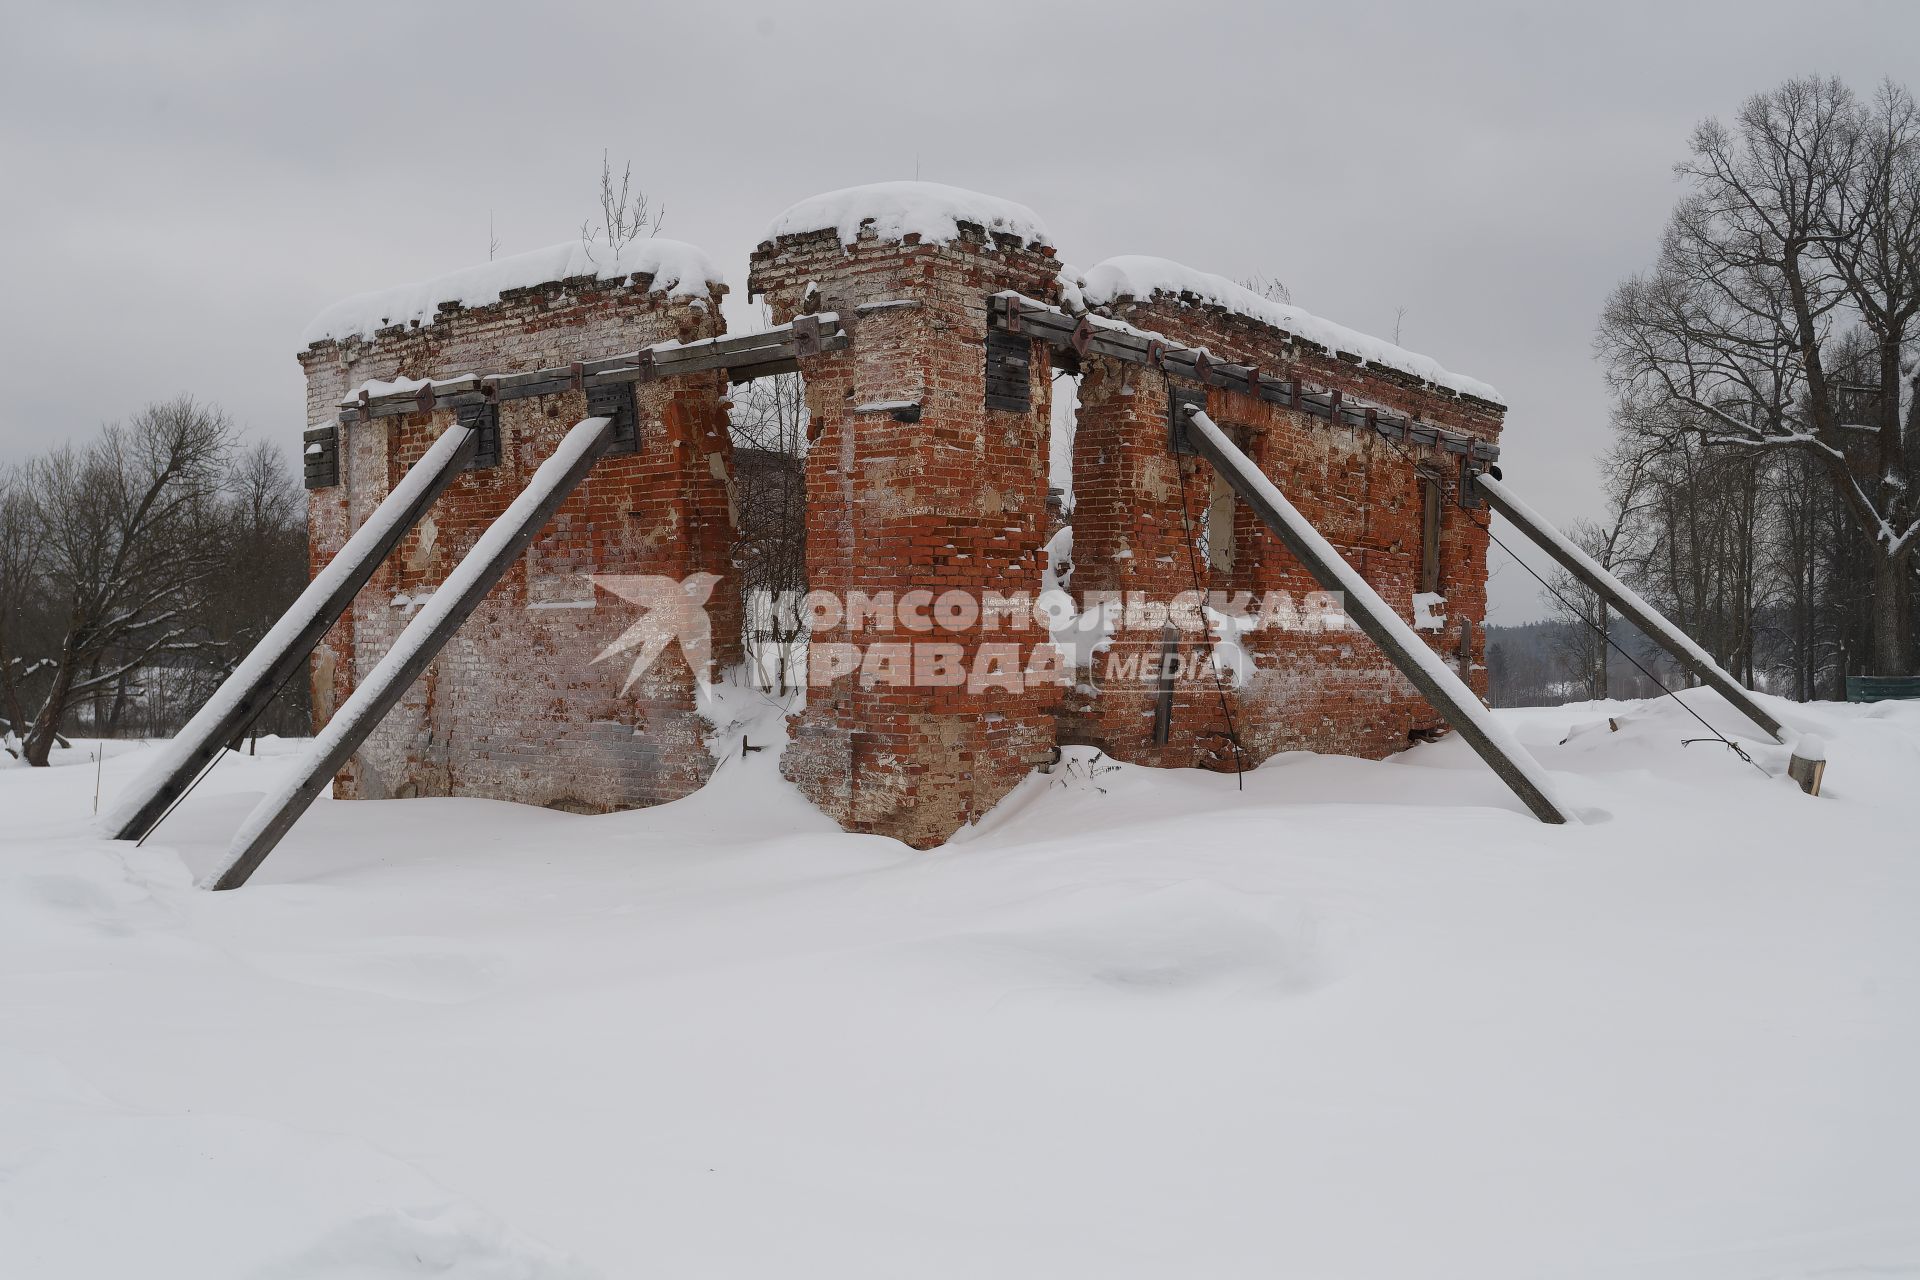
[(1133, 276), (678, 269), (931, 210)]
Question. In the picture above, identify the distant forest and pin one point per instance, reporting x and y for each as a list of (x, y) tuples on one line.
[(1542, 664)]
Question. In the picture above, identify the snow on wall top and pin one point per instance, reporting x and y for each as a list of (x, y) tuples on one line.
[(1141, 278), (677, 269), (930, 210)]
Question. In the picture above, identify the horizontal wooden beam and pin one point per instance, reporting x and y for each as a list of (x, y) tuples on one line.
[(745, 356), (1097, 335)]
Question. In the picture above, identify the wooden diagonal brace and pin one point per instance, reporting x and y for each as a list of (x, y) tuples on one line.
[(1403, 647)]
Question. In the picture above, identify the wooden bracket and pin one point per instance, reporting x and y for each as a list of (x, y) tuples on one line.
[(614, 401), (320, 459), (1469, 497), (806, 336), (1180, 400), (483, 420), (1009, 378)]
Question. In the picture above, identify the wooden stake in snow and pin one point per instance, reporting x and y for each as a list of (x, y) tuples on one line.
[(284, 650), (1407, 651), (1808, 765), (452, 604)]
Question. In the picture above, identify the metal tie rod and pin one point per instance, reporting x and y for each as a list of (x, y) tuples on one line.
[(1628, 604), (286, 647), (450, 606), (1415, 659)]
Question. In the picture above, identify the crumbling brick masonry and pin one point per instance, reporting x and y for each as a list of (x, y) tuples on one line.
[(517, 707), (926, 483)]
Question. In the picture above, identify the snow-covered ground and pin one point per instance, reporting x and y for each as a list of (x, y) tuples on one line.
[(1357, 1020)]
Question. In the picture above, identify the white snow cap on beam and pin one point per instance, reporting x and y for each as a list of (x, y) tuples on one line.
[(1131, 276), (678, 269), (896, 210)]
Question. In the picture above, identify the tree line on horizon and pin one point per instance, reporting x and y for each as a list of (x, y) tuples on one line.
[(1762, 486), (136, 570), (1763, 482)]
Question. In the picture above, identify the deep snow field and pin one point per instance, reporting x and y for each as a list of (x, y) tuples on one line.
[(1357, 1020)]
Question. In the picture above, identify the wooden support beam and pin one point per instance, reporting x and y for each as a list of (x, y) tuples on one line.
[(744, 356), (1404, 648), (450, 606), (1122, 342), (1627, 604), (283, 651), (1163, 694)]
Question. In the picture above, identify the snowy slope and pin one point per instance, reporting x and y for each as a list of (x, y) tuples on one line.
[(1359, 1020)]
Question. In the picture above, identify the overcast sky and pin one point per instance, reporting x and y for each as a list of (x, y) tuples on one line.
[(183, 186)]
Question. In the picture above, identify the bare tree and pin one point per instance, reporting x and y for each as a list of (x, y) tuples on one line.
[(625, 216), (1806, 630), (22, 610), (1800, 233), (770, 441), (129, 529), (1586, 642), (265, 553)]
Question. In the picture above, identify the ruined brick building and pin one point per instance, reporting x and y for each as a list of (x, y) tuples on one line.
[(928, 326)]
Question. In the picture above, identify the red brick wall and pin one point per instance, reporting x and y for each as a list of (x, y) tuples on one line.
[(515, 708), (956, 500), (1332, 691)]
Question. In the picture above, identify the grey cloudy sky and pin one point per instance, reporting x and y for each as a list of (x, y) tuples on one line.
[(182, 186)]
